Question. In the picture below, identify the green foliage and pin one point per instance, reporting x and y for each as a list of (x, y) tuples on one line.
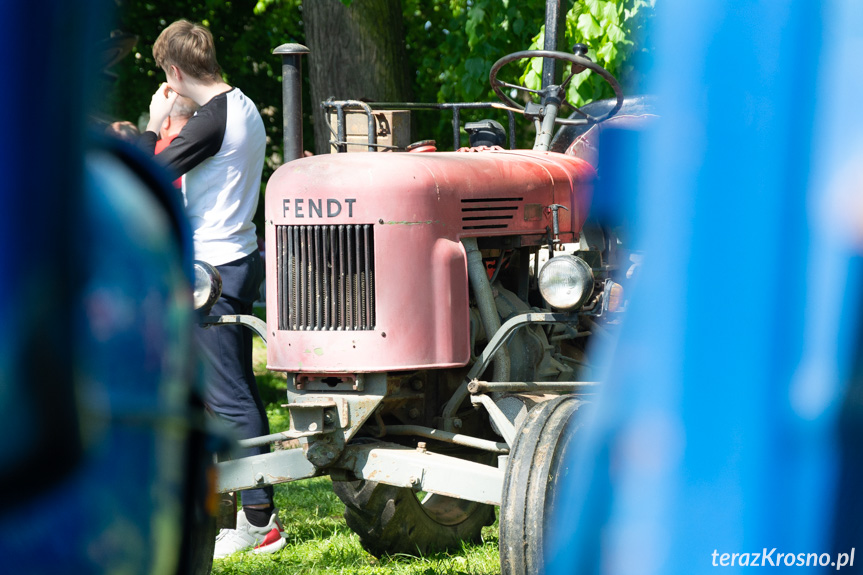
[(454, 43), (614, 32)]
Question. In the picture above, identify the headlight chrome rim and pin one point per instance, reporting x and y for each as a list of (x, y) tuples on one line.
[(566, 282), (208, 285)]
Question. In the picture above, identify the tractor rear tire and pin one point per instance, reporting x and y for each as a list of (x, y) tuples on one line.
[(538, 469), (392, 520)]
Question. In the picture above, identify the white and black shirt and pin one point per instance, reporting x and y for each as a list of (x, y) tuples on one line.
[(220, 151)]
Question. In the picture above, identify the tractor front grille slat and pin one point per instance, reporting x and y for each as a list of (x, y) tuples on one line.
[(325, 277)]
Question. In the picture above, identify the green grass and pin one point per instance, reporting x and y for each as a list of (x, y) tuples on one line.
[(319, 541)]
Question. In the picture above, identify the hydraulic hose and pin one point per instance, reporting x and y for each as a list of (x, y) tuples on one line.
[(485, 301)]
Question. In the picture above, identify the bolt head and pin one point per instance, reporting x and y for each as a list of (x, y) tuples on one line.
[(259, 478)]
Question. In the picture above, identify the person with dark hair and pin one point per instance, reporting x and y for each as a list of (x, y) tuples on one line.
[(221, 151)]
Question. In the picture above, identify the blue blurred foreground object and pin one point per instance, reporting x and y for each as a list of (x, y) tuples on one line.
[(102, 434), (716, 442)]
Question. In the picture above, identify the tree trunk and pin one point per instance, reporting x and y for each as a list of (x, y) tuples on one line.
[(357, 52)]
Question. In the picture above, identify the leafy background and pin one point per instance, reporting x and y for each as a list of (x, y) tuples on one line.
[(451, 44)]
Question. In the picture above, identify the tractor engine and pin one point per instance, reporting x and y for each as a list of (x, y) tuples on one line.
[(389, 274)]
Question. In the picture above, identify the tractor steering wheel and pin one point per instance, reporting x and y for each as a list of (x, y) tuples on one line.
[(579, 63)]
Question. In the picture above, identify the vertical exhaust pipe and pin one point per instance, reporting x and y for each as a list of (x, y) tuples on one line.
[(553, 31), (292, 99)]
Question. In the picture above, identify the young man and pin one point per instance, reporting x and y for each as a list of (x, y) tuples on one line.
[(221, 152)]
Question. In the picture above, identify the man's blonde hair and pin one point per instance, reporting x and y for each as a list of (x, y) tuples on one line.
[(189, 47)]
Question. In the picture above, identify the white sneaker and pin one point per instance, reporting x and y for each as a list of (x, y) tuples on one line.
[(267, 539)]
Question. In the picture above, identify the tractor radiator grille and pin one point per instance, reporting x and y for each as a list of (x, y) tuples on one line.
[(326, 277), (488, 213)]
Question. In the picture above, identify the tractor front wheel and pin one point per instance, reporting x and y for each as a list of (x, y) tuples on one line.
[(538, 469), (392, 520)]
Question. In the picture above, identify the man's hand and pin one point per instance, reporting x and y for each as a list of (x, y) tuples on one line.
[(160, 107)]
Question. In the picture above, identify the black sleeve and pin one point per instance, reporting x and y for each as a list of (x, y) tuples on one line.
[(147, 142), (199, 139)]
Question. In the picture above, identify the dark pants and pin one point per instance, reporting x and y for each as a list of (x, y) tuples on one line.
[(231, 390)]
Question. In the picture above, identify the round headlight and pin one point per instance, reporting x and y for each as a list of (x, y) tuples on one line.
[(208, 285), (566, 282)]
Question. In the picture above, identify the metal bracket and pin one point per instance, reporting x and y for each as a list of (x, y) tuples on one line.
[(266, 469), (504, 425), (500, 337), (534, 111), (254, 323), (328, 382), (308, 416), (580, 387), (556, 221), (426, 471), (339, 413)]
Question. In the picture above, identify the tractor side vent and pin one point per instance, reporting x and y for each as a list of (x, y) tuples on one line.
[(488, 213), (326, 277)]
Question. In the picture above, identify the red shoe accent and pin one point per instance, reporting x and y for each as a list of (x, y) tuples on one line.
[(271, 538)]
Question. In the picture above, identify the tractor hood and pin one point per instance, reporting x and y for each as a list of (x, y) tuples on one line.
[(489, 193), (365, 269)]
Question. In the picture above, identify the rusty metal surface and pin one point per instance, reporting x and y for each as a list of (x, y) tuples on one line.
[(308, 416), (335, 416), (423, 470), (323, 422)]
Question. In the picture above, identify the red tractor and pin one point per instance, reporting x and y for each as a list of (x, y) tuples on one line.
[(433, 313)]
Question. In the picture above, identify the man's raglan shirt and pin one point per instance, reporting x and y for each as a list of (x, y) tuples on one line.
[(221, 152)]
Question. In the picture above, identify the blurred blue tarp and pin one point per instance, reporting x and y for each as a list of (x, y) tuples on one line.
[(718, 428), (41, 159)]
